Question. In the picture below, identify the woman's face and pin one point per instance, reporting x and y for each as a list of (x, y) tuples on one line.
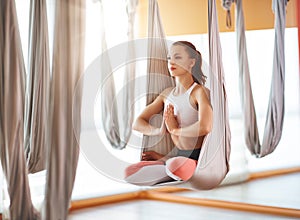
[(179, 61)]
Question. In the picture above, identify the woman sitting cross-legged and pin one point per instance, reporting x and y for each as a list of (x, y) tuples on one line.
[(187, 117)]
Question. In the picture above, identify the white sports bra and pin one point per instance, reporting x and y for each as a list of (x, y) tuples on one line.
[(185, 112)]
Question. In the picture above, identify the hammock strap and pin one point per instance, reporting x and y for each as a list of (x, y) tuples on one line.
[(227, 5)]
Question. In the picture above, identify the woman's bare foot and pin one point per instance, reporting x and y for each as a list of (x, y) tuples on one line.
[(151, 155)]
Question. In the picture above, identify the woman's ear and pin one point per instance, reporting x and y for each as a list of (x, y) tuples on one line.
[(193, 62)]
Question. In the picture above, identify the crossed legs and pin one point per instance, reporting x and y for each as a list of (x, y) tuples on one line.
[(153, 172)]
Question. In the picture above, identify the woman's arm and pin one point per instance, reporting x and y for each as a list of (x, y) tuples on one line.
[(205, 117), (142, 123)]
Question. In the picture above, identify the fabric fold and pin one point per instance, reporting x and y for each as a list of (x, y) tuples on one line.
[(213, 162), (37, 88), (158, 78), (12, 99), (275, 112), (128, 92), (109, 107), (65, 107)]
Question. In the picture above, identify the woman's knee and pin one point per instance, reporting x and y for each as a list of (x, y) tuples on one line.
[(181, 167)]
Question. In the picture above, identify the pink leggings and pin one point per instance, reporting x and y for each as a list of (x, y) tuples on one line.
[(152, 172)]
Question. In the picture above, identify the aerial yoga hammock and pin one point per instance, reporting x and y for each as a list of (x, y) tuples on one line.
[(275, 114), (213, 161), (117, 130)]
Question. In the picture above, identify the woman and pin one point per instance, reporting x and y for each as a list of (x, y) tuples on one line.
[(187, 115)]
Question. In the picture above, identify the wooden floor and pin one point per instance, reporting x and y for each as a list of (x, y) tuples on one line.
[(279, 191)]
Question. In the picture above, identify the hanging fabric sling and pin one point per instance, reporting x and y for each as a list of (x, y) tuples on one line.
[(157, 63), (64, 150), (117, 130), (65, 110), (12, 93), (109, 110), (37, 89), (212, 164), (275, 113), (128, 88)]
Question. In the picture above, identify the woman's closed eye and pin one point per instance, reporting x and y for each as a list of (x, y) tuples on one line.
[(176, 58)]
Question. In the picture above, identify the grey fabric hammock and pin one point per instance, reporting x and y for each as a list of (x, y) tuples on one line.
[(129, 94), (157, 63), (37, 88), (214, 157), (117, 131), (275, 113), (64, 110), (12, 93), (65, 107), (110, 122)]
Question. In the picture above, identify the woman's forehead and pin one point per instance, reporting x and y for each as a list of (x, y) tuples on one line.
[(177, 49)]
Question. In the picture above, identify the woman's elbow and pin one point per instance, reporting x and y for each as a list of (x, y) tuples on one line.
[(209, 124), (135, 126), (206, 129)]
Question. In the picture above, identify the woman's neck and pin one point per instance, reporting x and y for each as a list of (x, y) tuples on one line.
[(183, 84)]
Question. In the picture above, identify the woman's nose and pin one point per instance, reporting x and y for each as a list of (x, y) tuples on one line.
[(171, 61)]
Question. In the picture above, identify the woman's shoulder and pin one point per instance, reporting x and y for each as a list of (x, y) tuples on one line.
[(201, 91)]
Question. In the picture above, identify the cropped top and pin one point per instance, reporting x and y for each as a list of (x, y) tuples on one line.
[(185, 112)]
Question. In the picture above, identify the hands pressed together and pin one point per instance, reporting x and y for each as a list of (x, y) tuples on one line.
[(170, 119), (171, 124)]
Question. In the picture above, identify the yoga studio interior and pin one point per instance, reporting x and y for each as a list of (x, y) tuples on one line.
[(149, 109)]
